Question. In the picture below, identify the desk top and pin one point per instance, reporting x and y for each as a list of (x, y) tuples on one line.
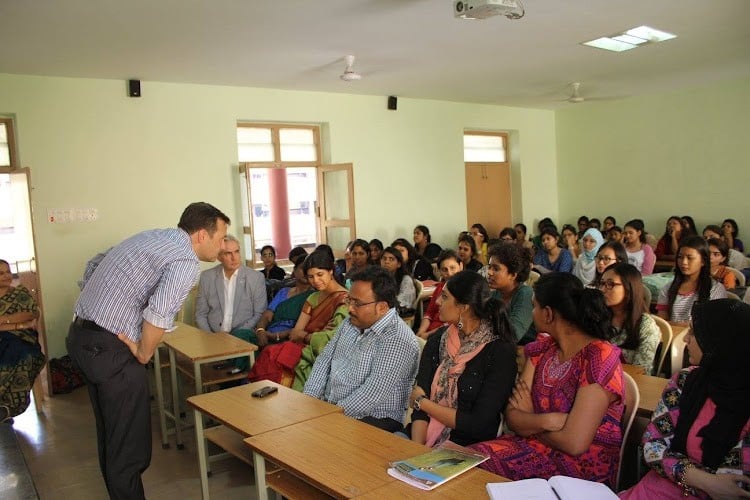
[(196, 344), (650, 389), (241, 412), (470, 484), (335, 453)]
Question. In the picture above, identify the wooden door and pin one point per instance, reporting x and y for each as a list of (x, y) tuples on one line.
[(336, 205), (488, 196)]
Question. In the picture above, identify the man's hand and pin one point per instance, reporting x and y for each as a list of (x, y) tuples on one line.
[(133, 346), (262, 336)]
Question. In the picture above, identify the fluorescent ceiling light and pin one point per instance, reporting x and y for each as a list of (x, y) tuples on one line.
[(650, 34), (607, 43), (633, 40)]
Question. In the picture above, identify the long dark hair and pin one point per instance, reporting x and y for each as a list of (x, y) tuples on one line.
[(411, 252), (583, 307), (637, 224), (621, 255), (704, 278), (471, 289), (322, 258), (426, 231), (402, 269), (635, 306), (668, 237), (469, 240), (735, 227)]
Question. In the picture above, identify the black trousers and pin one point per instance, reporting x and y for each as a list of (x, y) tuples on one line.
[(119, 393), (387, 424)]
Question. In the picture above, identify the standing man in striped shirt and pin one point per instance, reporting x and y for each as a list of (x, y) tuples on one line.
[(127, 302)]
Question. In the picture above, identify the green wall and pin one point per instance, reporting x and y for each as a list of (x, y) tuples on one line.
[(650, 157), (140, 161)]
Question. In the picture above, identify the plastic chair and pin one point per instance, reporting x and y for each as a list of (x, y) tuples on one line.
[(416, 305), (738, 276), (747, 296), (666, 341), (734, 296), (677, 350), (186, 314), (632, 399), (647, 297), (533, 278)]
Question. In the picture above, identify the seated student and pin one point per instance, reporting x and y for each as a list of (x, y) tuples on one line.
[(568, 402), (585, 267), (231, 297), (271, 271), (640, 253), (552, 257), (507, 235), (423, 244), (688, 226), (520, 230), (342, 265), (718, 253), (691, 283), (376, 250), (536, 241), (570, 240), (583, 225), (506, 275), (393, 262), (467, 370), (448, 265), (635, 331), (418, 267), (609, 223), (595, 223), (368, 367), (698, 441), (285, 308), (609, 254), (735, 259), (668, 244), (321, 315), (729, 231), (481, 239), (467, 251), (358, 250), (615, 234)]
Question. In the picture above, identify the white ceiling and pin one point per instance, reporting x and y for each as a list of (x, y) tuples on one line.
[(409, 48)]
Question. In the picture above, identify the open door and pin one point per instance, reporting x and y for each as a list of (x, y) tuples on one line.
[(336, 205), (17, 241)]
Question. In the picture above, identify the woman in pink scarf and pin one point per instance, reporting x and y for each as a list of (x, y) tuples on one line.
[(468, 368)]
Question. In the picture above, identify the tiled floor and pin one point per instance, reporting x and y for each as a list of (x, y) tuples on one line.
[(60, 449)]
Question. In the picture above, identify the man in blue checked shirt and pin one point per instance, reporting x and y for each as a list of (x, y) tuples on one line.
[(128, 299), (368, 368)]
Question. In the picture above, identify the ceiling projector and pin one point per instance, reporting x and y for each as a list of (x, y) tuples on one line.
[(482, 9)]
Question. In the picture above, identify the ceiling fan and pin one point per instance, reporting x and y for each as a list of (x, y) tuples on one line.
[(349, 75), (575, 97)]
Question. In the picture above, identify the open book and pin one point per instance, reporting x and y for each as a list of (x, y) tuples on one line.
[(431, 469), (556, 488)]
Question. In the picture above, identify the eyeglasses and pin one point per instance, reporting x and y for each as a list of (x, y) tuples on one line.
[(267, 254), (605, 258), (358, 303), (609, 284)]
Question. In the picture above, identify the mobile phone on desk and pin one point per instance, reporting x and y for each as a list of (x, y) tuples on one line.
[(264, 391)]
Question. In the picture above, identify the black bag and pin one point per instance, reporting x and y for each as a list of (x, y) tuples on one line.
[(65, 375)]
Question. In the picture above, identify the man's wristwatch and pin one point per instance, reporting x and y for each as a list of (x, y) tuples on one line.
[(417, 405)]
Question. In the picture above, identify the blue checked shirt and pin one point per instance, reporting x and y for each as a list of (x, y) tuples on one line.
[(368, 373), (147, 276)]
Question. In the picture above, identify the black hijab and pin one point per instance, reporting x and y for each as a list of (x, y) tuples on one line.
[(722, 330)]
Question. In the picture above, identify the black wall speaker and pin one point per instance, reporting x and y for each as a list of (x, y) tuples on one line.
[(392, 102), (134, 88)]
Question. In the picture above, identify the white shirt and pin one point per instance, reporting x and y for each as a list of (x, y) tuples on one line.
[(230, 285)]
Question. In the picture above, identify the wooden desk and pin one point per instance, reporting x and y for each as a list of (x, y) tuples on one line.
[(343, 457), (242, 415), (158, 364), (470, 484), (650, 389), (193, 351)]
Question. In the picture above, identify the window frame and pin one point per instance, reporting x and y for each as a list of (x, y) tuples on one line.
[(10, 132)]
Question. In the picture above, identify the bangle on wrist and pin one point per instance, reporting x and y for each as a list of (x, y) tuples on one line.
[(683, 467), (417, 405)]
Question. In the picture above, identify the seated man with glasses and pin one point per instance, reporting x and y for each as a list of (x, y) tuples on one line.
[(368, 367)]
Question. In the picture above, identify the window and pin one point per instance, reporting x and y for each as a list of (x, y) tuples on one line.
[(7, 151), (484, 147)]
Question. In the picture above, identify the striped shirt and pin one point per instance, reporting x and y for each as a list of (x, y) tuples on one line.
[(146, 277), (370, 372), (683, 304)]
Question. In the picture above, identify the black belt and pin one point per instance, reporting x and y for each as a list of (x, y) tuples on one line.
[(88, 325)]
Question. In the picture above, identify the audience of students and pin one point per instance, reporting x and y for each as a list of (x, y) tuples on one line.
[(640, 254), (583, 224), (609, 254), (507, 235), (376, 250), (507, 273), (666, 247), (481, 239), (359, 250), (468, 368), (521, 237), (552, 257), (423, 244), (448, 265), (698, 441), (735, 258), (595, 223), (634, 331), (692, 282), (418, 267), (570, 240), (467, 251), (688, 226), (730, 230), (718, 253), (393, 262), (615, 234), (585, 266), (607, 225), (271, 271), (567, 405)]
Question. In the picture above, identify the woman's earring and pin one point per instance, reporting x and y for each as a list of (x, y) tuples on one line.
[(460, 323)]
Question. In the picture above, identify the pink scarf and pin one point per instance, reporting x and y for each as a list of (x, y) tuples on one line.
[(453, 359)]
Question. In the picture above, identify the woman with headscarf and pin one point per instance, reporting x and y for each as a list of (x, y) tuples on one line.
[(698, 441), (585, 268)]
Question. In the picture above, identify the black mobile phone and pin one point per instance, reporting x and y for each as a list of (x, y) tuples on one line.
[(264, 391)]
